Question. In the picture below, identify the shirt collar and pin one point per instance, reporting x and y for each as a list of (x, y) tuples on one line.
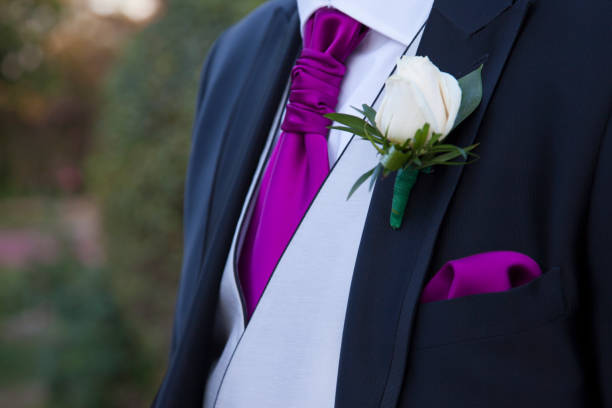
[(397, 19)]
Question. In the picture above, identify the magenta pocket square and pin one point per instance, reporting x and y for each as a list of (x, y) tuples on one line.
[(487, 272)]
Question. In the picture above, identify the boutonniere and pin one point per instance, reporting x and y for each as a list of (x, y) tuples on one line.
[(420, 107)]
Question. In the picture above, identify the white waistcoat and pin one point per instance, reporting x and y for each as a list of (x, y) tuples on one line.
[(287, 357)]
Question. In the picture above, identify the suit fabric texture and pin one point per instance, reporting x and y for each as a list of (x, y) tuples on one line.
[(543, 187)]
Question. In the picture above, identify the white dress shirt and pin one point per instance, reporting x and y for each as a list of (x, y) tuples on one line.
[(288, 354)]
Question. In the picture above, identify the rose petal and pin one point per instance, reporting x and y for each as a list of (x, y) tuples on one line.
[(451, 95), (426, 76)]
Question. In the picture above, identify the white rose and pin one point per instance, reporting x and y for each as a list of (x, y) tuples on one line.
[(418, 93)]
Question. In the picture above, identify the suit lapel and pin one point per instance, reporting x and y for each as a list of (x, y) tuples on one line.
[(236, 157), (392, 265)]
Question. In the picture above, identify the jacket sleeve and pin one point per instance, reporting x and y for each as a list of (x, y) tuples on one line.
[(187, 281), (599, 250)]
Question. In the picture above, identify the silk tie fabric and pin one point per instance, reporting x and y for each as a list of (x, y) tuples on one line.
[(299, 162)]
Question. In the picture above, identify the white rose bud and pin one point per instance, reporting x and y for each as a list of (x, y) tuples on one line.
[(418, 93)]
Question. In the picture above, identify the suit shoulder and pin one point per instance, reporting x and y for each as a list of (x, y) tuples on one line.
[(253, 26), (237, 54), (241, 44)]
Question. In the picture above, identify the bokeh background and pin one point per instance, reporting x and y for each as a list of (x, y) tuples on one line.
[(96, 109)]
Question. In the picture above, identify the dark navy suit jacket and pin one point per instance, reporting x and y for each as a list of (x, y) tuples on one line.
[(543, 187)]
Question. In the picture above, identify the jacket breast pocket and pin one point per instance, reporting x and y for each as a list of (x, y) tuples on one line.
[(492, 314)]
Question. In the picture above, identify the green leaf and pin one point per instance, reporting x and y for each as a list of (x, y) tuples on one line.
[(395, 159), (406, 143), (358, 132), (370, 114), (360, 181), (437, 149), (420, 137), (378, 169), (434, 138), (454, 154), (374, 131), (462, 152), (348, 120), (449, 162), (372, 139), (449, 148), (471, 94), (443, 147), (453, 163), (447, 156), (358, 110)]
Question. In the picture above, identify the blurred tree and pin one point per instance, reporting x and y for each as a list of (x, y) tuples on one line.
[(53, 54), (24, 25), (138, 169), (62, 329), (26, 79)]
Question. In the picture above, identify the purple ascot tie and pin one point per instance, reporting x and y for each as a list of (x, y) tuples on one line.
[(299, 162)]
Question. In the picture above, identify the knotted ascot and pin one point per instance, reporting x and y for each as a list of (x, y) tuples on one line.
[(299, 162)]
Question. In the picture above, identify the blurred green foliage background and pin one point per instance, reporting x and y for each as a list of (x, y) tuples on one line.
[(96, 109)]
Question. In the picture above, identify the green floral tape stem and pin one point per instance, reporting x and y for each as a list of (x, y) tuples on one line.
[(404, 181)]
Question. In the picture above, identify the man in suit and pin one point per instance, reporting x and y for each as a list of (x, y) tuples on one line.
[(292, 296)]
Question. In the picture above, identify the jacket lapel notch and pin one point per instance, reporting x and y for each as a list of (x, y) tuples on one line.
[(392, 266), (473, 15)]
